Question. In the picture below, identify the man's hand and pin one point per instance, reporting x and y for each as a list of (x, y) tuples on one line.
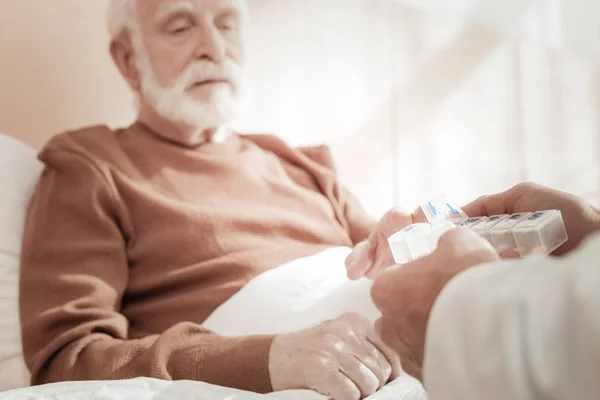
[(374, 254), (343, 358), (581, 218), (406, 294)]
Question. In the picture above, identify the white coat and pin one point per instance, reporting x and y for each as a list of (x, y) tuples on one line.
[(518, 330)]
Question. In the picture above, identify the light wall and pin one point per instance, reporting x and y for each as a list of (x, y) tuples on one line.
[(55, 71), (432, 103)]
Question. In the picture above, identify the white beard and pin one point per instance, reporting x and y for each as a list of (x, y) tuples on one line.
[(176, 105)]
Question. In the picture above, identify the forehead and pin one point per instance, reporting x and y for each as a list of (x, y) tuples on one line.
[(152, 8)]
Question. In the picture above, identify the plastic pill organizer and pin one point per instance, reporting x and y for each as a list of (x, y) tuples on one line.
[(537, 233)]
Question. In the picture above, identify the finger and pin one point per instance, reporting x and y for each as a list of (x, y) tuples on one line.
[(462, 241), (368, 354), (486, 206), (360, 261), (382, 258), (388, 282), (362, 376), (496, 204), (356, 254), (418, 216), (392, 358), (339, 387), (393, 221), (383, 254), (374, 272), (378, 248)]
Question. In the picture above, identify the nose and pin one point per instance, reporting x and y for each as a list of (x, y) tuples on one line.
[(210, 44)]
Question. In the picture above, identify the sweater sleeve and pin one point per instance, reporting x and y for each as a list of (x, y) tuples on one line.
[(359, 222), (74, 277)]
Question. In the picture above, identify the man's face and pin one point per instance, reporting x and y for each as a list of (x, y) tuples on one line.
[(189, 54)]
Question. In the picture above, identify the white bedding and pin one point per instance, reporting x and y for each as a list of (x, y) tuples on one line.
[(153, 389), (19, 172), (297, 295)]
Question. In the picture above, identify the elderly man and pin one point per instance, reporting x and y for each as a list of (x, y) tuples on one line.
[(496, 330), (135, 236)]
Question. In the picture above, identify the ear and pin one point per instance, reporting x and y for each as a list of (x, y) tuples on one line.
[(121, 50)]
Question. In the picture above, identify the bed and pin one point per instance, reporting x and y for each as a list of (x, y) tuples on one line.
[(307, 291)]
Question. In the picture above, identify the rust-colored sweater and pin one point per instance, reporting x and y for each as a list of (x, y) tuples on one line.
[(132, 242)]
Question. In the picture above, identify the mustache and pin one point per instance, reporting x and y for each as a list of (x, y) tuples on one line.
[(201, 71)]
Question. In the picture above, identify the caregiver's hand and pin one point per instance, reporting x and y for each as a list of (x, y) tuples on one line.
[(374, 254), (343, 358), (406, 294), (581, 218)]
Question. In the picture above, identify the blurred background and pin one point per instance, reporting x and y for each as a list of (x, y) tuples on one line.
[(465, 97)]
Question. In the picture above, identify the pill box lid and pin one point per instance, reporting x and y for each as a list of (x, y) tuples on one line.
[(490, 223), (472, 222), (536, 220), (414, 229), (439, 208), (510, 223)]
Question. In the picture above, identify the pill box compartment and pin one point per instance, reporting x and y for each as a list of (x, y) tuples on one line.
[(410, 243), (541, 233)]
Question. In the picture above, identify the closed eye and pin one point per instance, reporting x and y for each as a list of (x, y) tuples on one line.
[(181, 30), (180, 25), (228, 21)]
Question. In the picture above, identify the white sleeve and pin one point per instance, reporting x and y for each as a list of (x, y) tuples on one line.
[(525, 329)]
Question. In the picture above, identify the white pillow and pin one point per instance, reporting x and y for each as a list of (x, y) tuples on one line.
[(19, 172)]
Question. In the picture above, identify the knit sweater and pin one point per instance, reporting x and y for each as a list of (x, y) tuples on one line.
[(132, 241)]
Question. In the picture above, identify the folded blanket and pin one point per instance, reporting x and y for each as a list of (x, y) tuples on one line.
[(294, 296)]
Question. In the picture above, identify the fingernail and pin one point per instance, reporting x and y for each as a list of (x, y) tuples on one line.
[(351, 270), (372, 273), (350, 260), (355, 272), (351, 265)]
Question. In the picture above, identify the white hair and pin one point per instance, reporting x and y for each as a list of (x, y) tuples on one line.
[(120, 16)]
